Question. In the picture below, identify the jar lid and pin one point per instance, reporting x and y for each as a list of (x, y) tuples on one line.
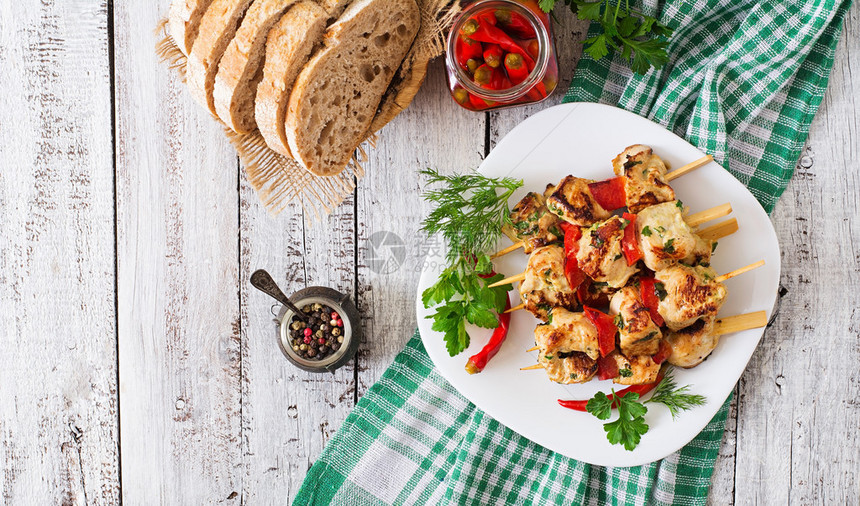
[(351, 330)]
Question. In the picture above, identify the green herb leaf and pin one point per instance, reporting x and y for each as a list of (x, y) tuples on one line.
[(675, 398), (646, 231), (660, 288), (625, 373), (599, 406), (669, 246)]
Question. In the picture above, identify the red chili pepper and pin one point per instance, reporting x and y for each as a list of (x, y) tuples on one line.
[(515, 65), (650, 299), (479, 104), (609, 194), (533, 47), (639, 389), (493, 55), (467, 49), (486, 32), (607, 367), (629, 244), (515, 24), (478, 361), (483, 75), (487, 16), (606, 329), (663, 353)]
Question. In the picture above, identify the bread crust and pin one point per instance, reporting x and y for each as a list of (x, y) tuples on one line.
[(289, 46), (184, 22), (217, 29), (374, 36), (240, 68)]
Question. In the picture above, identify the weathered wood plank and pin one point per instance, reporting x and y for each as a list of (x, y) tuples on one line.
[(58, 394), (178, 247), (288, 415), (798, 416), (391, 246)]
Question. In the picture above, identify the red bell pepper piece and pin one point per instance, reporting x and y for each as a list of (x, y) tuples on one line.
[(478, 361), (493, 55), (467, 49), (487, 33), (515, 24), (663, 353), (629, 244), (609, 194), (575, 276), (606, 329), (650, 299), (572, 235), (639, 389), (607, 367)]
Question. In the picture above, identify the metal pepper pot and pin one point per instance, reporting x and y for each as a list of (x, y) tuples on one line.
[(351, 330)]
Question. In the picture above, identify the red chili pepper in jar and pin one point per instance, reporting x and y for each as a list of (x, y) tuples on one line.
[(610, 194), (487, 16), (606, 329), (467, 49), (487, 33), (515, 23), (478, 362), (493, 55), (483, 75), (648, 292), (629, 244), (516, 67), (639, 389)]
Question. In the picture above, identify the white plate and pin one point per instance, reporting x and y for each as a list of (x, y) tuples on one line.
[(582, 139)]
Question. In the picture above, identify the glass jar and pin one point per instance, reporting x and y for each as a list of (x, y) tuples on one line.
[(500, 53)]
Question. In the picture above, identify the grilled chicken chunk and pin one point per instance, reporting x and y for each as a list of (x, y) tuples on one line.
[(567, 332), (600, 256), (645, 183), (532, 223), (572, 201), (546, 286), (665, 238), (691, 293), (567, 368), (638, 335), (691, 345), (636, 370)]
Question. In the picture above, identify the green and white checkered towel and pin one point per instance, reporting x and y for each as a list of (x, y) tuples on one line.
[(744, 83)]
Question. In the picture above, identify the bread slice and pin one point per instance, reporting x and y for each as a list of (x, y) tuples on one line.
[(336, 95), (241, 67), (334, 7), (288, 48), (184, 18), (217, 29)]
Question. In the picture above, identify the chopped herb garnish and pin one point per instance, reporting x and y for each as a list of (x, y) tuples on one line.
[(573, 375), (625, 373), (619, 321), (616, 257), (714, 246), (679, 204), (669, 246), (660, 288), (548, 357), (646, 231)]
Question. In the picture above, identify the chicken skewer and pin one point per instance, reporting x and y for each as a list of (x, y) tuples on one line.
[(572, 200), (608, 241), (681, 349)]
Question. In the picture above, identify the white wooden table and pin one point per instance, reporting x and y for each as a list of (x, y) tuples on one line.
[(139, 365)]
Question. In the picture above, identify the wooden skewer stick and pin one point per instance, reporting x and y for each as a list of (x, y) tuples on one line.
[(720, 230), (738, 272), (509, 249), (531, 367), (694, 220), (532, 349), (513, 279), (516, 308), (675, 174), (737, 323)]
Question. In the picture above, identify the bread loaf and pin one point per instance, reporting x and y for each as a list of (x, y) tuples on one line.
[(184, 18), (334, 7), (288, 48), (337, 94), (217, 29)]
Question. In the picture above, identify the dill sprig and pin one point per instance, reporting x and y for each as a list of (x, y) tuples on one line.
[(470, 211), (675, 398)]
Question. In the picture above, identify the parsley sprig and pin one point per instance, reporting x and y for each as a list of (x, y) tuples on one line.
[(640, 38), (630, 426), (470, 212)]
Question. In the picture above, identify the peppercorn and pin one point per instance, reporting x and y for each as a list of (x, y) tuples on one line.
[(335, 332), (340, 339)]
